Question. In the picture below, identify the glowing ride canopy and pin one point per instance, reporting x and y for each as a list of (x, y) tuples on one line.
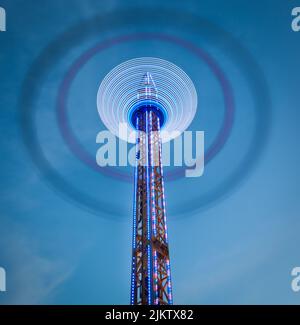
[(176, 97)]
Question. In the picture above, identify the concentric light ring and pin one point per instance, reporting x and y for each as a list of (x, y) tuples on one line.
[(118, 91)]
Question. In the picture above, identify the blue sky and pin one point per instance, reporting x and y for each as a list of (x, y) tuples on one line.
[(234, 232)]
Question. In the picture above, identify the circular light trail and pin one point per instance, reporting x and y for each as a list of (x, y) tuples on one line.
[(118, 95), (47, 60)]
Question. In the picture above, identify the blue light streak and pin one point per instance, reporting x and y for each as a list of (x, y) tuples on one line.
[(134, 223), (148, 212), (118, 91)]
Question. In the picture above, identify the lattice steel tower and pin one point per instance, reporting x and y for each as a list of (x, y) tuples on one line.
[(151, 276)]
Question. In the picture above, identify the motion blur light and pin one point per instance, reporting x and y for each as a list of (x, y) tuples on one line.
[(175, 102)]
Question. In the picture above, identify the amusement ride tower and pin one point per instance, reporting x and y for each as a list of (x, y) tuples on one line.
[(151, 276), (148, 95)]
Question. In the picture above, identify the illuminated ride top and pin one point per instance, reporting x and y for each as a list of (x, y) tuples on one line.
[(146, 110)]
